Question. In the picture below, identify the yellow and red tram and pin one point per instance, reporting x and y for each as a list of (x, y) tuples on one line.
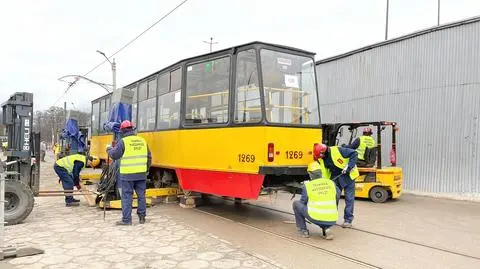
[(225, 123)]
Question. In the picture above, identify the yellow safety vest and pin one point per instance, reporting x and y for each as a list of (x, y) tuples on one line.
[(365, 142), (341, 162), (325, 172), (68, 162), (134, 159), (322, 199)]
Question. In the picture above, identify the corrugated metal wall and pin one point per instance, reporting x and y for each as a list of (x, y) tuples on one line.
[(430, 85)]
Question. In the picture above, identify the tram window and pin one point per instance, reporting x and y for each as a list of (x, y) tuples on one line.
[(134, 113), (152, 88), (289, 88), (106, 106), (176, 80), (163, 83), (146, 114), (95, 118), (134, 91), (142, 91), (169, 110), (247, 105), (207, 92)]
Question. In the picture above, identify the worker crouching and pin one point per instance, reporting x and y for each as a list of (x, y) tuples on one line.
[(68, 170), (135, 159), (317, 204)]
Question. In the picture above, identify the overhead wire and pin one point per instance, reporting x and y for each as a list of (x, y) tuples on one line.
[(123, 47)]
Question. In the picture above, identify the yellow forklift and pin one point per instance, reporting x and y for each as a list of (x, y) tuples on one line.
[(376, 181)]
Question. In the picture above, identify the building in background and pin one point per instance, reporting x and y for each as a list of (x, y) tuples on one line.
[(428, 82)]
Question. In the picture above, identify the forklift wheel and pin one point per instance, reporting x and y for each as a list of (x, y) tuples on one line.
[(18, 201), (378, 194)]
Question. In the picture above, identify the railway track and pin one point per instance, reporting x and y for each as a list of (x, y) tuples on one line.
[(335, 252), (297, 241), (379, 235)]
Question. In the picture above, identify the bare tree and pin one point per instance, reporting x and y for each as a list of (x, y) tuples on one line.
[(51, 122)]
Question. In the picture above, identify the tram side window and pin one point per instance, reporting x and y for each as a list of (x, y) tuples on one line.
[(147, 106), (146, 114), (169, 102), (134, 105), (104, 112), (247, 105), (207, 92), (169, 110), (95, 118), (289, 88)]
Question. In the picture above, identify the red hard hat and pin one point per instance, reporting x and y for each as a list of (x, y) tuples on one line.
[(367, 130), (126, 124), (319, 151)]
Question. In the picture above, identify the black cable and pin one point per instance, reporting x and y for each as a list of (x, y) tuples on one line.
[(123, 47)]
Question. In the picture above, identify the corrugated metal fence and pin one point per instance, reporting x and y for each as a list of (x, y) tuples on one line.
[(430, 84)]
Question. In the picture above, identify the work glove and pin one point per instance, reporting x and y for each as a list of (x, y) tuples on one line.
[(345, 170), (108, 147)]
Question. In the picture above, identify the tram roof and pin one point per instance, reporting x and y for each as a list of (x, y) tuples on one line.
[(215, 53)]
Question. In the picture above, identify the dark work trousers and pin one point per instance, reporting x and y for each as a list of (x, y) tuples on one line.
[(66, 179), (127, 192), (349, 192), (301, 213)]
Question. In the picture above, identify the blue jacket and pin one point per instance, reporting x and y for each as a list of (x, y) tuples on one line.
[(77, 167), (344, 179), (304, 200), (116, 153)]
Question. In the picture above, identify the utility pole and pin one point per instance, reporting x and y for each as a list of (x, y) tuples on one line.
[(65, 111), (114, 70), (438, 13), (211, 43), (386, 21), (114, 74)]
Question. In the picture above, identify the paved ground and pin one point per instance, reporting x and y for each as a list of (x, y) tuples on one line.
[(80, 238), (413, 232)]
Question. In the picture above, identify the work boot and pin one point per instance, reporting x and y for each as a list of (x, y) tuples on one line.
[(304, 233), (327, 234), (141, 219), (70, 204), (346, 225), (75, 200), (121, 223)]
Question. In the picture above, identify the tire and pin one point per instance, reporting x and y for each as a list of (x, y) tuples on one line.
[(378, 195), (19, 201)]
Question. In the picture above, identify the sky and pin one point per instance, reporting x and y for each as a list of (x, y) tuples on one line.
[(42, 41)]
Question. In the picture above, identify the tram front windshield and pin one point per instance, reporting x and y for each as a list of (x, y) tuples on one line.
[(289, 88)]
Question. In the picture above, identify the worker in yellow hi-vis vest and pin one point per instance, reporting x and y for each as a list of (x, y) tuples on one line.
[(318, 202), (361, 144), (341, 162), (68, 170), (135, 159)]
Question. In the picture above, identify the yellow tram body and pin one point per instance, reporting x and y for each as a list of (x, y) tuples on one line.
[(226, 123)]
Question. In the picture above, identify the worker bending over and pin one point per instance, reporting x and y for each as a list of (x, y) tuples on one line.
[(341, 163), (361, 144), (135, 159), (317, 204), (68, 170)]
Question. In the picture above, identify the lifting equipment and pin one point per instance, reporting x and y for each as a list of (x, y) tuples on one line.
[(376, 182)]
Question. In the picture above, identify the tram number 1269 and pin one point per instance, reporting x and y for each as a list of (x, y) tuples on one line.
[(293, 154), (246, 158)]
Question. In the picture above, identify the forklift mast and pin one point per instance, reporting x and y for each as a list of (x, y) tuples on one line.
[(23, 143)]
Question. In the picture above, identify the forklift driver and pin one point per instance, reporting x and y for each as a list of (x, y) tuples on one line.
[(361, 144), (68, 170)]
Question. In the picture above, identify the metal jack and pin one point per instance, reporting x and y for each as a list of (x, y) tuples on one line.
[(10, 251)]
